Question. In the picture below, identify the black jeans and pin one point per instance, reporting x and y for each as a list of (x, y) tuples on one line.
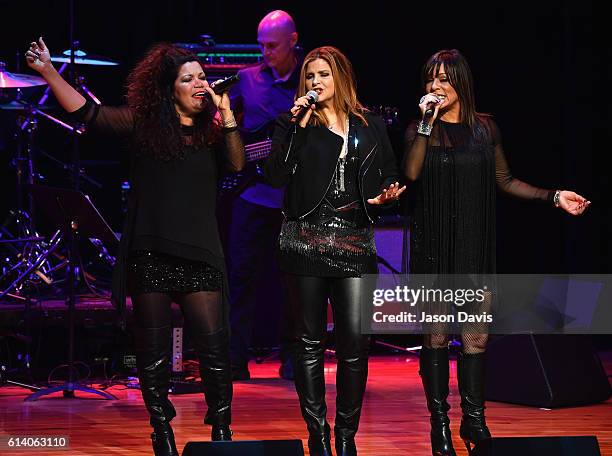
[(309, 296), (253, 272)]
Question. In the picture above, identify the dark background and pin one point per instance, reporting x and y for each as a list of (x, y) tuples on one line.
[(541, 68)]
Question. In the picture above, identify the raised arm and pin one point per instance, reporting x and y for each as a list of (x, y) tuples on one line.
[(233, 142), (114, 120), (287, 140), (415, 146), (235, 160), (39, 59)]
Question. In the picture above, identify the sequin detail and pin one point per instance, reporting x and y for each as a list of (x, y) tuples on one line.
[(152, 272), (332, 247)]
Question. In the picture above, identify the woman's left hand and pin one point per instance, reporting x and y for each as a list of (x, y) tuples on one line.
[(390, 194), (572, 203), (221, 102)]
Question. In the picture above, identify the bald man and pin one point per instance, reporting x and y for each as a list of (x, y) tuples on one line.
[(263, 92)]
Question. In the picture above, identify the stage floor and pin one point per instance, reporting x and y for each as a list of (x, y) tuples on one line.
[(394, 420)]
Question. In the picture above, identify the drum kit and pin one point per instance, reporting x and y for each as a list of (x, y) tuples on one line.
[(26, 263), (29, 260)]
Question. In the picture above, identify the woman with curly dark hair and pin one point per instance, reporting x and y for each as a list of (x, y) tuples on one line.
[(170, 248)]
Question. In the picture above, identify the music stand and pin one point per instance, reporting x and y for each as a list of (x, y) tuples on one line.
[(75, 216)]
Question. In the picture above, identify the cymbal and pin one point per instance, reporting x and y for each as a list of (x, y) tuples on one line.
[(82, 58), (18, 81), (17, 106)]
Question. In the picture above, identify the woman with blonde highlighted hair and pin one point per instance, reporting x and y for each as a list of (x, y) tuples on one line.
[(337, 163)]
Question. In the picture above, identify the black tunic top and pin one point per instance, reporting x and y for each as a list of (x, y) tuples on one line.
[(172, 203), (456, 172)]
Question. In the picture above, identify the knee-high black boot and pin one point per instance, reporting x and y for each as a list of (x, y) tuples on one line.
[(351, 381), (310, 387), (470, 373), (216, 373), (433, 368), (153, 353)]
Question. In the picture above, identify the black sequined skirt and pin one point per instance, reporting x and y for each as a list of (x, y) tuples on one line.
[(153, 272), (328, 244)]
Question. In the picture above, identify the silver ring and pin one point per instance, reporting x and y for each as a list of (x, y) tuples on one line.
[(422, 99)]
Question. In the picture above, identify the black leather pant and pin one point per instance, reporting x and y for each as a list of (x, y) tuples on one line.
[(308, 298)]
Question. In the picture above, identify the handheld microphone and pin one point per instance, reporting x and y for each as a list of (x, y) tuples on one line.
[(313, 97), (226, 84), (431, 107)]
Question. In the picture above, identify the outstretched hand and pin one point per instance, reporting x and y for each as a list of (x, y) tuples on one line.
[(572, 203), (38, 56), (390, 194)]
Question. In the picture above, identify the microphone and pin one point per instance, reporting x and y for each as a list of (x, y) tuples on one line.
[(313, 97), (226, 84), (431, 107)]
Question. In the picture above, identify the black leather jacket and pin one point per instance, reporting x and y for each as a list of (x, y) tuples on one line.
[(304, 159)]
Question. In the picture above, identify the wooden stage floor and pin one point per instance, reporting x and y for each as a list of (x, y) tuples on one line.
[(394, 421)]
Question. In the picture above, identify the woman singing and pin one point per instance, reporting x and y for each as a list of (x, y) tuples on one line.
[(170, 249), (338, 165), (456, 159)]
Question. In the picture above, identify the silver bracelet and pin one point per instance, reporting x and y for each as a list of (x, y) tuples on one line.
[(557, 198), (423, 128), (230, 123)]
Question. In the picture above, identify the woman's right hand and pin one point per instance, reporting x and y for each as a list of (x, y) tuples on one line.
[(424, 101), (38, 56), (298, 105)]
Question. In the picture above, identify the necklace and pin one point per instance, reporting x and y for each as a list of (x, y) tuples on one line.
[(343, 153)]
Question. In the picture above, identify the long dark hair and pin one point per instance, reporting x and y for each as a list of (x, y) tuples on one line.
[(150, 88), (460, 77), (345, 87)]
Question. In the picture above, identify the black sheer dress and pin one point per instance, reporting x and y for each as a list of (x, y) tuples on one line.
[(456, 171)]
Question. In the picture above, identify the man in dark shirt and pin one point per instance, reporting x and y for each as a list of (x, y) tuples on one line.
[(263, 92)]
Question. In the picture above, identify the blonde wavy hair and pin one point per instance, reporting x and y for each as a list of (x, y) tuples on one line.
[(345, 96)]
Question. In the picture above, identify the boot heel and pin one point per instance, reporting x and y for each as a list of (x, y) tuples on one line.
[(470, 374), (162, 439), (215, 371), (434, 371), (468, 446), (319, 445), (221, 434)]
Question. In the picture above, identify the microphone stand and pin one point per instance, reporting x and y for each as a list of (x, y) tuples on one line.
[(68, 388)]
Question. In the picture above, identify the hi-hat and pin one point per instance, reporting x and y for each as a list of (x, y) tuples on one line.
[(18, 81), (82, 58)]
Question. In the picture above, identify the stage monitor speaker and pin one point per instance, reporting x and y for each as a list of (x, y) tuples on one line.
[(538, 446), (545, 371), (245, 448)]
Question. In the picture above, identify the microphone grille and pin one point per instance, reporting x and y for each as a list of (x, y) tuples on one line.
[(314, 95)]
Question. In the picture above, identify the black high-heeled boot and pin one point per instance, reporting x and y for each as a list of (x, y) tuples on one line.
[(310, 387), (470, 373), (216, 374), (351, 378), (434, 371), (153, 354)]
